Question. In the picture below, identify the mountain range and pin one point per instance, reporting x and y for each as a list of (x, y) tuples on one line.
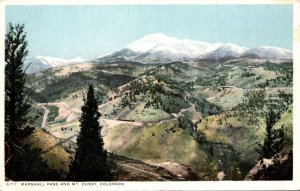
[(40, 63), (160, 48)]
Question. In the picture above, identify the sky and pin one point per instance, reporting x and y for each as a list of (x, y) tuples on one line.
[(90, 31)]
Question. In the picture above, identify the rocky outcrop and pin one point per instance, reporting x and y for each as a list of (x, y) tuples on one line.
[(279, 167)]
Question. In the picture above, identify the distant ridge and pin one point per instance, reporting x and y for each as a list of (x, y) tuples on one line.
[(159, 47), (40, 63)]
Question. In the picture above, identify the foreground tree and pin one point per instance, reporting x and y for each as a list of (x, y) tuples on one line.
[(235, 171), (273, 141), (21, 161), (209, 169), (16, 102), (16, 106), (90, 161)]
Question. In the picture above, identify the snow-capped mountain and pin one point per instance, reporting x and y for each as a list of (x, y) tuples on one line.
[(160, 43), (158, 47), (226, 51), (268, 52), (44, 62)]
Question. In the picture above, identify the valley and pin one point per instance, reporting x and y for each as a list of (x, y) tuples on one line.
[(170, 116)]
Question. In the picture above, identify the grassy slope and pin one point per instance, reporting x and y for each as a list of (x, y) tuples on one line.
[(59, 83), (56, 157), (227, 98), (287, 121), (234, 132), (179, 73), (171, 98), (69, 129), (241, 135), (156, 143), (53, 113), (235, 78), (124, 169), (146, 114)]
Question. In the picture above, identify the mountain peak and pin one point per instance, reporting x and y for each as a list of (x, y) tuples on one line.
[(160, 48), (173, 49), (160, 42), (270, 52), (44, 62), (151, 41)]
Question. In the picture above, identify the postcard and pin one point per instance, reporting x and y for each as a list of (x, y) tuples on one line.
[(149, 95)]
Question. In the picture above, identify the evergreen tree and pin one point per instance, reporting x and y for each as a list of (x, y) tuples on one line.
[(90, 161), (209, 169), (16, 102), (235, 171), (273, 142), (211, 151), (21, 161), (16, 106)]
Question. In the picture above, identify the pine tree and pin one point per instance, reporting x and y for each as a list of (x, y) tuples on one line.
[(16, 102), (21, 161), (273, 141), (235, 171), (210, 169), (90, 161), (211, 151)]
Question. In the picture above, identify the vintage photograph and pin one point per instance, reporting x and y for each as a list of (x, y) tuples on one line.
[(148, 92)]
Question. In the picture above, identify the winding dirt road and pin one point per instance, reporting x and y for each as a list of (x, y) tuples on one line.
[(45, 117)]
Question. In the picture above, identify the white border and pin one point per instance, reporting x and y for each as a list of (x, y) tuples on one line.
[(191, 185)]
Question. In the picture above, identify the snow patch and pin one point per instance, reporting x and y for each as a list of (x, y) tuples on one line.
[(160, 48)]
